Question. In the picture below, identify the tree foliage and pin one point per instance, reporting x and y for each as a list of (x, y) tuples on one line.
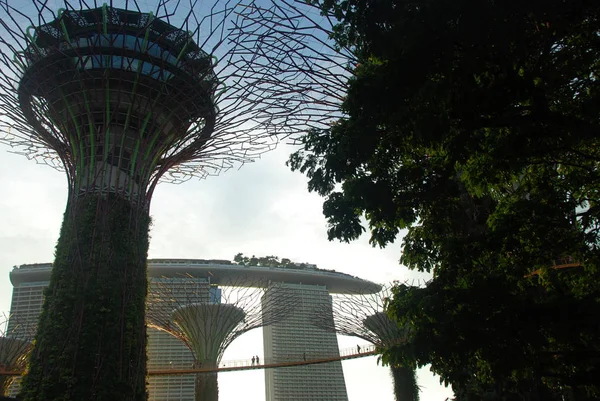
[(267, 261), (474, 126)]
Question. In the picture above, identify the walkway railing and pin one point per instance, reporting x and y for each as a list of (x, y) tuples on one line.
[(307, 358)]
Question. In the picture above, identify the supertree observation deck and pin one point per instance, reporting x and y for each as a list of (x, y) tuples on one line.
[(362, 315), (121, 98), (207, 318)]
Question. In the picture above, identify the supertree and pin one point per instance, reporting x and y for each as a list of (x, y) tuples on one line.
[(207, 317), (363, 315), (15, 345), (120, 97)]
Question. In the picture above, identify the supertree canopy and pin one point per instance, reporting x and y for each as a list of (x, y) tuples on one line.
[(207, 318), (119, 108), (363, 315), (15, 345), (121, 97), (209, 86), (290, 40)]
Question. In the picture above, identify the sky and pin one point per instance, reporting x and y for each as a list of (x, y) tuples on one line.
[(261, 209)]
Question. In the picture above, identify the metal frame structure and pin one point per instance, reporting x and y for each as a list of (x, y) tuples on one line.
[(207, 318), (363, 315), (15, 345), (290, 41), (253, 74)]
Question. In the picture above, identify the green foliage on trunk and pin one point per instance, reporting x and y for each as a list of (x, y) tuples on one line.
[(207, 387), (405, 383), (91, 340)]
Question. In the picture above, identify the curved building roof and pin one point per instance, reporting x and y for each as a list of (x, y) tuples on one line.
[(225, 271)]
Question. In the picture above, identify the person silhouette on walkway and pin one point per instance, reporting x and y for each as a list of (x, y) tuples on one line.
[(257, 360), (304, 356), (253, 360), (358, 348)]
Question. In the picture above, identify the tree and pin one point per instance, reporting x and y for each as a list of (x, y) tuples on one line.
[(471, 125), (266, 261)]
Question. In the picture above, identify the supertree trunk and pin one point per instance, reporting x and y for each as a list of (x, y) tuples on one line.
[(207, 387), (91, 340), (405, 383)]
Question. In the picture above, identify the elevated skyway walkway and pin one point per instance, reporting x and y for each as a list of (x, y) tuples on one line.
[(307, 358), (294, 360)]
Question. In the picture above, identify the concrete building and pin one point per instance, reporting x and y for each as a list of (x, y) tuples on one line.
[(29, 282), (295, 338), (291, 337)]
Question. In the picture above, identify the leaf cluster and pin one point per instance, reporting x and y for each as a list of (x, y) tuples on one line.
[(474, 126)]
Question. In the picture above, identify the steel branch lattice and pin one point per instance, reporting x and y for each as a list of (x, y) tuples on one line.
[(363, 315), (121, 97), (207, 319), (291, 40), (15, 345)]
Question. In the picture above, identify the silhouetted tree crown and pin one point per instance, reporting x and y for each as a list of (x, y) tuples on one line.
[(474, 126)]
